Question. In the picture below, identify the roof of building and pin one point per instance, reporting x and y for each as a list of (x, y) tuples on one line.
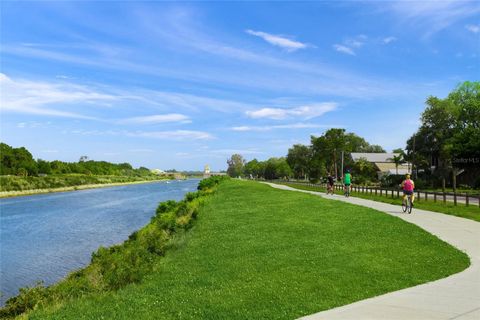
[(401, 171), (387, 166), (374, 157)]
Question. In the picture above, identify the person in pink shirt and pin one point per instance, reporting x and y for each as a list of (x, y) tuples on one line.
[(408, 186)]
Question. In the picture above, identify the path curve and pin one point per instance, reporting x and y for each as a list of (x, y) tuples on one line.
[(454, 297)]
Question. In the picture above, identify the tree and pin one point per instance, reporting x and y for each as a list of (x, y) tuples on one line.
[(253, 168), (44, 166), (398, 160), (449, 136), (235, 165), (298, 159)]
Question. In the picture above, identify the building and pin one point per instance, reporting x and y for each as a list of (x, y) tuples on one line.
[(383, 163), (207, 173)]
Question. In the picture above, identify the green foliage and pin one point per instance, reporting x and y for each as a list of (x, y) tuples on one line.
[(298, 158), (449, 136), (235, 165), (19, 161), (117, 266), (211, 182)]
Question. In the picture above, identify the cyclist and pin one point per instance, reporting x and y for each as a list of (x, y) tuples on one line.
[(330, 183), (347, 180), (408, 185)]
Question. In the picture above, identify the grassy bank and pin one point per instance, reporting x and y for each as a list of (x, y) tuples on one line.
[(261, 253), (120, 265), (11, 186), (471, 212)]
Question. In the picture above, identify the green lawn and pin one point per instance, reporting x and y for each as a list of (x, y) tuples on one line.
[(261, 253), (471, 212)]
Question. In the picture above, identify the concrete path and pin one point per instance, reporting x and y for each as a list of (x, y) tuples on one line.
[(454, 297)]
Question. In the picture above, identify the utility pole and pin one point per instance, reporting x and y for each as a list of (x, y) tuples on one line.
[(342, 163), (414, 157)]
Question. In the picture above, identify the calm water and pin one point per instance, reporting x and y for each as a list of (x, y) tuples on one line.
[(45, 237)]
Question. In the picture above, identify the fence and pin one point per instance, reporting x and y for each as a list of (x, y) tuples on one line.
[(455, 197)]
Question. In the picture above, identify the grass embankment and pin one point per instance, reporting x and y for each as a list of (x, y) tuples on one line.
[(11, 186), (471, 212), (115, 267), (261, 253)]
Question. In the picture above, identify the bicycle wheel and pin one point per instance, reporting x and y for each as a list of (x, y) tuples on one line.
[(404, 206), (409, 204)]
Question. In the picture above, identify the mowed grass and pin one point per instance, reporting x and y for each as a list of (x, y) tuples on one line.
[(261, 253), (471, 212)]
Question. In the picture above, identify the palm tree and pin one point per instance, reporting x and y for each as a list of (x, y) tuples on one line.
[(398, 160)]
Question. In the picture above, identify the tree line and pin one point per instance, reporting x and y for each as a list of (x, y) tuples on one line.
[(20, 162), (311, 162), (446, 144)]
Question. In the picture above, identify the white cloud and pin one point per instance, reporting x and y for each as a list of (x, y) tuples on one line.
[(236, 151), (356, 42), (36, 97), (279, 41), (432, 16), (174, 135), (388, 40), (283, 126), (159, 118), (344, 49), (473, 28), (304, 112)]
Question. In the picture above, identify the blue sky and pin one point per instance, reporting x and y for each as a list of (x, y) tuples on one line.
[(184, 84)]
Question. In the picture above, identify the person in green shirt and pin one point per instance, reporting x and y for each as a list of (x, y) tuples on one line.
[(347, 180)]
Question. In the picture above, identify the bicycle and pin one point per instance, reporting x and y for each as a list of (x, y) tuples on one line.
[(407, 205), (329, 189), (347, 191)]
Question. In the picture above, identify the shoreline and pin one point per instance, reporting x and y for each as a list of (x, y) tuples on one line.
[(20, 193)]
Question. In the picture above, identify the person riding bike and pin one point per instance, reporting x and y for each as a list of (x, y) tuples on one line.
[(330, 182), (347, 180), (408, 186)]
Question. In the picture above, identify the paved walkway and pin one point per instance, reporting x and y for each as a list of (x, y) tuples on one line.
[(454, 297)]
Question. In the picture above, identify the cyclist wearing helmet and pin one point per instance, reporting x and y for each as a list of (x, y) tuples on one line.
[(408, 185)]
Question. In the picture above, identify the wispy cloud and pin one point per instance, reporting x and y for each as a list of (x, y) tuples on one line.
[(305, 112), (344, 49), (174, 135), (36, 97), (228, 152), (278, 40), (388, 40), (475, 28), (282, 126), (349, 44), (432, 16), (158, 118), (177, 135)]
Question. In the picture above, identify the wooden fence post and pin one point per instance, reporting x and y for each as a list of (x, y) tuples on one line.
[(466, 199), (426, 195), (418, 195), (454, 197), (376, 191), (434, 197)]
